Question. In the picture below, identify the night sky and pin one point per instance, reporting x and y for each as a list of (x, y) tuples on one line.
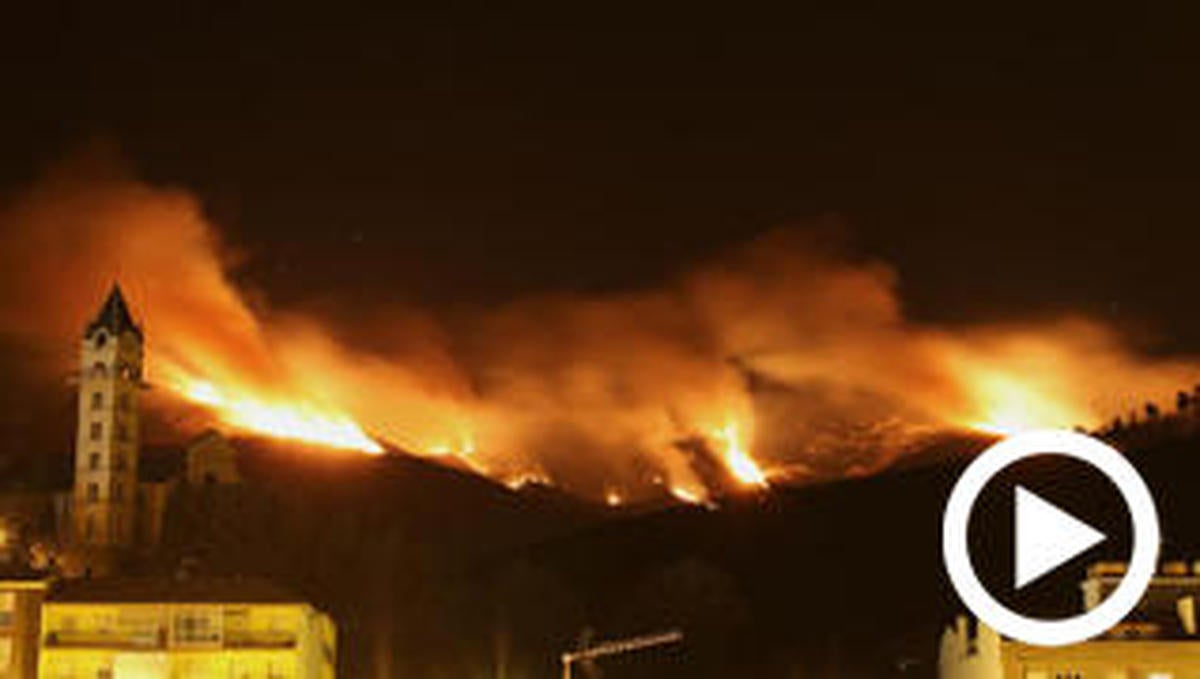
[(1005, 164)]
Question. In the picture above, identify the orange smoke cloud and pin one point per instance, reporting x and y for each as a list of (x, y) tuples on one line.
[(784, 355)]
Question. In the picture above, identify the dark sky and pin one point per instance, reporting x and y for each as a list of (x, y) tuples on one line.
[(1005, 163)]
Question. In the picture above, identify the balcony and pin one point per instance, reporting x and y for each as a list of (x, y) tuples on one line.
[(149, 639), (259, 639), (159, 640)]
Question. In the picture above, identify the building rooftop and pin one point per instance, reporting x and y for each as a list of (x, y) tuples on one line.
[(20, 573), (191, 589)]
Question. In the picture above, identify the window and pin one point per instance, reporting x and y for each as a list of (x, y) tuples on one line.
[(97, 401), (196, 627), (8, 606), (94, 461), (89, 532), (118, 491), (123, 402), (99, 369), (93, 492), (122, 432), (101, 339), (97, 431)]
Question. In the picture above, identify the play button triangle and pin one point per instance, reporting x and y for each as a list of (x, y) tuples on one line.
[(1045, 537)]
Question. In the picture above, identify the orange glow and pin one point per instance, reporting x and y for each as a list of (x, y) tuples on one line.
[(737, 459), (527, 479), (613, 498), (296, 421), (463, 447), (1007, 406), (564, 382), (688, 495), (1020, 385)]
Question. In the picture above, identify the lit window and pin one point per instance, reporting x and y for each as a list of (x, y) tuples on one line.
[(196, 627), (97, 431), (8, 606)]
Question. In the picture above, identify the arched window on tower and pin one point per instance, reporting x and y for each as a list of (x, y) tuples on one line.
[(97, 400), (101, 340), (99, 369)]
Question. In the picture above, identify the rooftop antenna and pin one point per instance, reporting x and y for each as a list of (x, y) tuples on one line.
[(617, 647)]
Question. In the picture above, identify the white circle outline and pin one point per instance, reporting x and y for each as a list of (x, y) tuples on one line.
[(1138, 501)]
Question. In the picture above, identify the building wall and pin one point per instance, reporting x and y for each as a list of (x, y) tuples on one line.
[(970, 654), (20, 612), (1104, 659), (106, 444), (152, 511), (984, 655), (212, 459), (185, 640)]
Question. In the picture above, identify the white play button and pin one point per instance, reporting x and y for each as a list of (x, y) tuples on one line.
[(1046, 537)]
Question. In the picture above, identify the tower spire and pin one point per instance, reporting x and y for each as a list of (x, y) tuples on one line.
[(114, 316)]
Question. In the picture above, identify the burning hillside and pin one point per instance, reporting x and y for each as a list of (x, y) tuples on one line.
[(788, 355)]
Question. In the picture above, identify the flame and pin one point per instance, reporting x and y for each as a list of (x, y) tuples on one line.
[(295, 421), (533, 478), (614, 498), (1011, 406), (1022, 385), (688, 495), (463, 447), (737, 459)]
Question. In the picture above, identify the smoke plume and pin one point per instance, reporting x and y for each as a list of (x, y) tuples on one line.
[(789, 351)]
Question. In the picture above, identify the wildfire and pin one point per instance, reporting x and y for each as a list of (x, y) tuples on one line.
[(737, 459), (1007, 402), (687, 495), (524, 479), (297, 421)]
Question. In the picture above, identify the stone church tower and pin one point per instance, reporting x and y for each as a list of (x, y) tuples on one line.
[(104, 501)]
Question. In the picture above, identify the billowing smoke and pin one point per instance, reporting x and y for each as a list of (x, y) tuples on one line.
[(788, 350)]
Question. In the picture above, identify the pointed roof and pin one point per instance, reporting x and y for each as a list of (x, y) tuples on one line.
[(114, 316)]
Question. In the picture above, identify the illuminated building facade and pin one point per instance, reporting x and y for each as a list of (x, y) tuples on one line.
[(182, 628), (1158, 640), (21, 596)]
